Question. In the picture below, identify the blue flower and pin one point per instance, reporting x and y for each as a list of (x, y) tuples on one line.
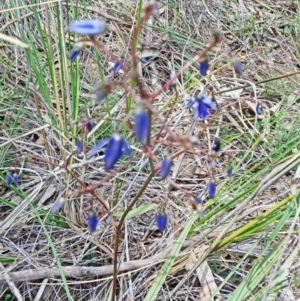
[(161, 221), (216, 146), (8, 179), (238, 68), (117, 67), (79, 146), (88, 27), (114, 151), (229, 169), (74, 54), (58, 204), (198, 200), (92, 221), (201, 106), (16, 179), (203, 67), (90, 124), (212, 188), (259, 110), (141, 124), (165, 167)]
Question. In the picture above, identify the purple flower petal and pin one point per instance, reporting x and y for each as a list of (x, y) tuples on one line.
[(161, 221), (212, 188), (188, 104), (126, 149), (88, 27), (90, 124), (141, 124), (216, 146), (165, 167), (79, 146), (203, 67), (92, 221), (74, 54), (57, 205), (198, 200), (8, 179), (94, 150), (229, 173), (117, 67), (238, 68), (16, 179), (259, 110), (113, 151)]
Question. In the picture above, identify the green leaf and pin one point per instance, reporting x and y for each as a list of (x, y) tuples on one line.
[(137, 211)]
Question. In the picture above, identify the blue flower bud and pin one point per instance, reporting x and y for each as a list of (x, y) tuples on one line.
[(8, 179), (216, 146), (92, 221), (203, 67), (74, 54), (259, 110), (58, 204), (117, 67), (16, 179), (198, 199), (238, 68), (161, 221), (229, 169), (201, 106), (114, 151), (165, 167), (79, 146), (212, 189), (94, 150), (88, 27), (90, 124), (141, 124)]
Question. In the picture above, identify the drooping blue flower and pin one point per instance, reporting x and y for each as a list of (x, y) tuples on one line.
[(58, 204), (238, 68), (212, 188), (74, 54), (88, 27), (79, 146), (90, 124), (198, 199), (203, 67), (94, 150), (216, 146), (141, 124), (165, 167), (259, 109), (229, 169), (16, 179), (92, 221), (8, 179), (114, 151), (117, 67), (212, 164), (188, 104), (201, 106), (161, 221)]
